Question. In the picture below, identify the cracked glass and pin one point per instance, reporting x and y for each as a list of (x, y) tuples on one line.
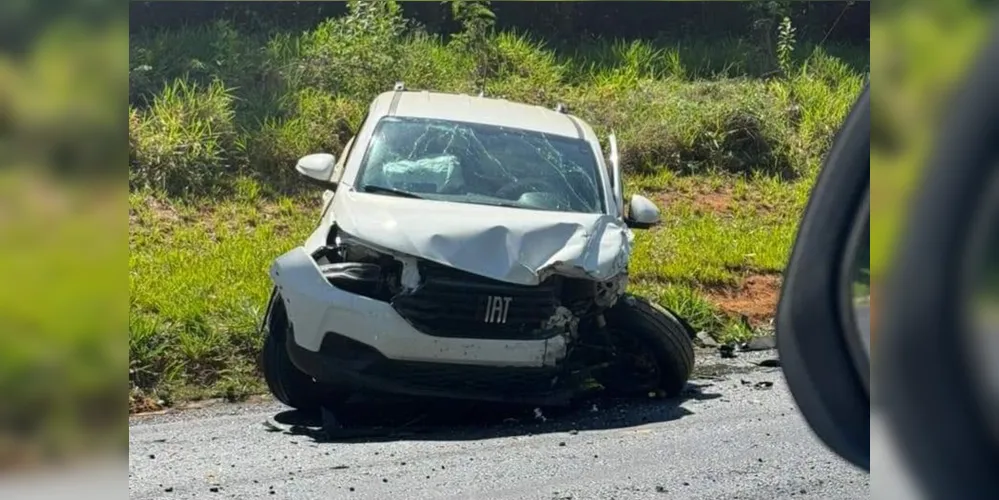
[(481, 164)]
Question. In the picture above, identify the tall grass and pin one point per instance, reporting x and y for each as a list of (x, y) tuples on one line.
[(186, 142), (257, 101)]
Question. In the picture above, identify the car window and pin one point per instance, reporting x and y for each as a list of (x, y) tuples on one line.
[(483, 164)]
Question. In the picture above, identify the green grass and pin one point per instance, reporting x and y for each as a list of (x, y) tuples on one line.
[(217, 118), (62, 311), (198, 284)]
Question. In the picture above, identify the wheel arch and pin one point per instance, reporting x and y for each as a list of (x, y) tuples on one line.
[(275, 319)]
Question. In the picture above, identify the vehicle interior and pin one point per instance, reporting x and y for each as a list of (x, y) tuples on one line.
[(476, 163)]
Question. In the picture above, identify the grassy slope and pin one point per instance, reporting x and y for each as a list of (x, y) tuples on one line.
[(729, 157)]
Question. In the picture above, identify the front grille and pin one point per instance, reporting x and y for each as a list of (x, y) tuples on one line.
[(452, 303)]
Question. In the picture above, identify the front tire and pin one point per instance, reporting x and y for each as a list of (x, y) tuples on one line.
[(286, 382), (653, 349)]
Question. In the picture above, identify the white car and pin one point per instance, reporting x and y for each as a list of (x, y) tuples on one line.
[(470, 248)]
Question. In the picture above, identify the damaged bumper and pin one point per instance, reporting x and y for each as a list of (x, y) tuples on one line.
[(341, 336)]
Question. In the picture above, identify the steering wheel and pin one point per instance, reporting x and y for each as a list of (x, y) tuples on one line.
[(516, 188)]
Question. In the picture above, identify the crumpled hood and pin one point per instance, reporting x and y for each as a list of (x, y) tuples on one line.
[(508, 244)]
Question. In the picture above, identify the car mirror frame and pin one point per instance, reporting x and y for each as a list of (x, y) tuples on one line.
[(317, 168), (642, 213), (923, 352), (815, 356)]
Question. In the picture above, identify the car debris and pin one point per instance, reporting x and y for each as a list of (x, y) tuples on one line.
[(706, 340), (727, 350), (769, 363), (469, 248), (760, 343)]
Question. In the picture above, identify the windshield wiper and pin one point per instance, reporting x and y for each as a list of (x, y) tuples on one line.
[(387, 190)]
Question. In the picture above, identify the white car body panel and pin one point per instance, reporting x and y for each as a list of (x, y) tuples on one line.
[(317, 307), (507, 244)]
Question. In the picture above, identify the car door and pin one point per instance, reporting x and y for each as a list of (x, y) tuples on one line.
[(615, 174)]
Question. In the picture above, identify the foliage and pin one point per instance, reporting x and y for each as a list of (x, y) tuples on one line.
[(185, 142), (785, 45), (475, 38), (357, 53), (308, 92)]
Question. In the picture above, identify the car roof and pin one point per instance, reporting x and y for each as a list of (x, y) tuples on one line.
[(485, 110)]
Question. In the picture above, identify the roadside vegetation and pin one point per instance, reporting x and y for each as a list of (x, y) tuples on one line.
[(727, 136)]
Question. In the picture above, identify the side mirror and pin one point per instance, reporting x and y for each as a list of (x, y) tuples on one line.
[(318, 169), (822, 323), (642, 213)]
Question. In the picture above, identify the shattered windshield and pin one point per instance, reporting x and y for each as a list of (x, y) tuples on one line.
[(481, 164)]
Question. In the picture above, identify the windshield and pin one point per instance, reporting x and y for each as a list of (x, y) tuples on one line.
[(481, 164)]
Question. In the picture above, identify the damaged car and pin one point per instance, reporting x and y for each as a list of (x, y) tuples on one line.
[(474, 248)]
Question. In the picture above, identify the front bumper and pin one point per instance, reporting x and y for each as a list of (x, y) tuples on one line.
[(354, 366), (316, 309)]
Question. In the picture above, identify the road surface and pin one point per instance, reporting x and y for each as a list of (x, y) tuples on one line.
[(737, 434)]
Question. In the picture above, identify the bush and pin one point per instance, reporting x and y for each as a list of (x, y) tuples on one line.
[(185, 143), (525, 70), (200, 55), (685, 106), (318, 123), (729, 125), (356, 55), (429, 63)]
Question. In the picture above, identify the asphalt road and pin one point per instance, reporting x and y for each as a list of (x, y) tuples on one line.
[(735, 435)]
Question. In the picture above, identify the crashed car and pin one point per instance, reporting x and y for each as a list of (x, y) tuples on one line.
[(472, 248)]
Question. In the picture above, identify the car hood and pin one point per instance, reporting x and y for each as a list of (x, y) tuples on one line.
[(514, 245)]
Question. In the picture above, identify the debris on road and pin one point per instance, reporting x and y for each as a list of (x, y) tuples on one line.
[(764, 384), (762, 343), (706, 340), (727, 350)]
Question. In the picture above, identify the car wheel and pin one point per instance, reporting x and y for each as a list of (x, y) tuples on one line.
[(653, 350), (286, 382)]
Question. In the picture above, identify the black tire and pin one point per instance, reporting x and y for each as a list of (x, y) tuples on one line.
[(286, 382), (659, 335)]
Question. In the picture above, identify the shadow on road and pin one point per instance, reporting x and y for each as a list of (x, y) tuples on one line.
[(397, 419)]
